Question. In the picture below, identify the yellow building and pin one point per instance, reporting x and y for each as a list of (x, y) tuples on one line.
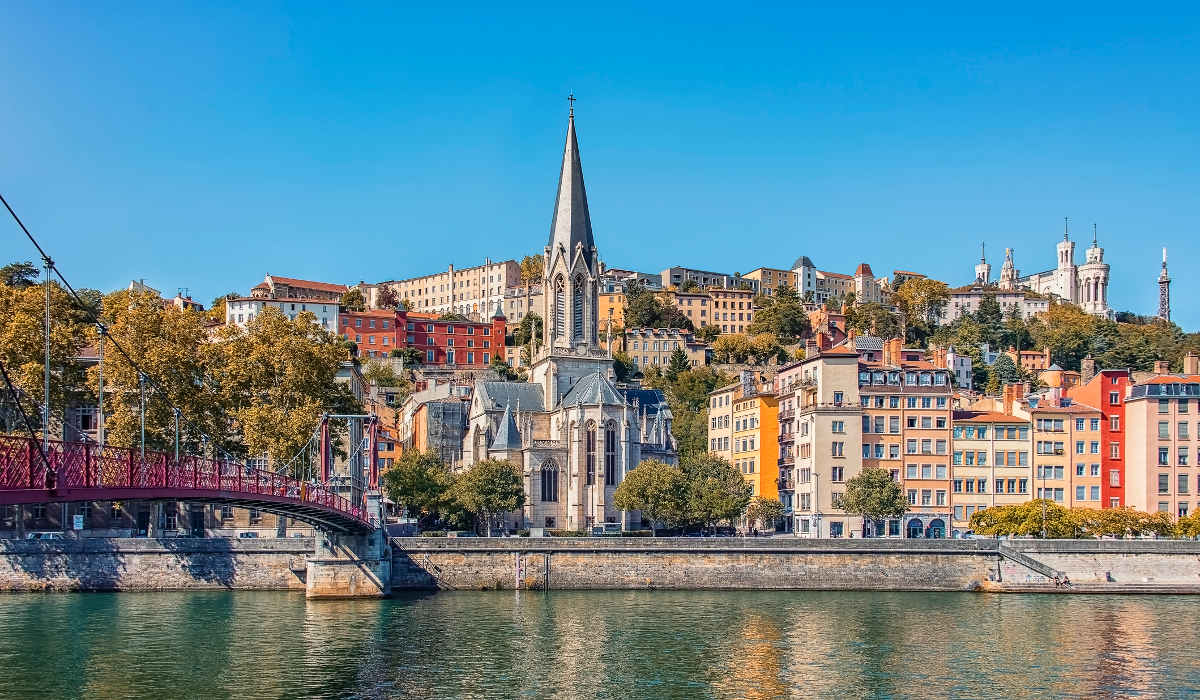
[(696, 306), (744, 429), (991, 465), (731, 309), (770, 279), (611, 314)]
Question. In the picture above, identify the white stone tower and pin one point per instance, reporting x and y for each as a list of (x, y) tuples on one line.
[(983, 271), (1093, 280)]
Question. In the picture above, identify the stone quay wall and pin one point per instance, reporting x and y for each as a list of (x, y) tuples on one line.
[(112, 564), (794, 564)]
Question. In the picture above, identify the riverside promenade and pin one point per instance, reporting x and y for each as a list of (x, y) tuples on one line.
[(783, 563)]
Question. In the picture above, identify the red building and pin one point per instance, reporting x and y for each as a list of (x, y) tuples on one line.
[(1106, 391), (452, 344)]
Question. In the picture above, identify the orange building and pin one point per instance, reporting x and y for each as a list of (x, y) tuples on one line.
[(744, 429), (1067, 439)]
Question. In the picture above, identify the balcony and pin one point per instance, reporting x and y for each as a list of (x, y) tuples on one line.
[(787, 414), (786, 461), (785, 484), (787, 437)]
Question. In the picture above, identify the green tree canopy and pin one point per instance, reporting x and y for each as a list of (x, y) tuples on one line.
[(707, 334), (353, 300), (678, 363), (658, 490), (1003, 371), (874, 495), (490, 489), (623, 366), (716, 490), (19, 275), (420, 482), (783, 315), (764, 511)]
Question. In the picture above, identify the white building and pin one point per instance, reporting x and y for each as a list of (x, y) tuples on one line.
[(1085, 285)]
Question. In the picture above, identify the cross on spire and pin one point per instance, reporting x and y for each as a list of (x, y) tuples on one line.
[(571, 105), (1066, 227)]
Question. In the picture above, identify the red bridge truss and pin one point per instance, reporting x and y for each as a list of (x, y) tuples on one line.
[(88, 472)]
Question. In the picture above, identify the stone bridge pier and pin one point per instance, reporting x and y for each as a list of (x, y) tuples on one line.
[(351, 566)]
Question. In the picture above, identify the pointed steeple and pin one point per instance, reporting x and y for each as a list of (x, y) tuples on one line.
[(507, 435), (572, 224)]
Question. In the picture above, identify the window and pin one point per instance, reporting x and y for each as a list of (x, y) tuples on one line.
[(1164, 456), (1164, 405), (1114, 450), (1079, 423), (549, 480), (838, 426), (912, 497), (590, 450), (1114, 423), (837, 474), (1182, 429), (910, 471), (610, 456), (1080, 493), (926, 497), (1114, 477), (1182, 459), (1164, 430), (838, 448), (1183, 484), (1164, 483)]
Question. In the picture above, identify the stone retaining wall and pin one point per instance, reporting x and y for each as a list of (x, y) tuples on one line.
[(104, 564), (779, 563)]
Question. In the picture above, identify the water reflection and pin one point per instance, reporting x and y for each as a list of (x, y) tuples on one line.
[(598, 644)]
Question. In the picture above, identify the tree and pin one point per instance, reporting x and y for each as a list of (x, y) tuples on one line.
[(716, 490), (678, 363), (19, 275), (765, 347), (381, 373), (875, 496), (170, 347), (708, 334), (90, 302), (1027, 518), (872, 319), (658, 490), (353, 300), (921, 300), (764, 511), (490, 488), (276, 378), (386, 297), (623, 366), (1003, 371), (1067, 331), (501, 367), (530, 328), (420, 482), (1189, 525), (783, 315), (689, 286), (531, 269), (732, 348), (413, 357), (22, 334), (644, 310), (990, 317)]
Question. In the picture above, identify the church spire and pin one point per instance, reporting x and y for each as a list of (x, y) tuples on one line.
[(572, 224)]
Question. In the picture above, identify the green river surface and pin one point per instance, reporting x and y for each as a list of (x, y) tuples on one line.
[(602, 644)]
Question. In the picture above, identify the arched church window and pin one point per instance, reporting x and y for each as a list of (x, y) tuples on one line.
[(610, 454), (560, 308), (549, 480), (577, 308), (589, 444)]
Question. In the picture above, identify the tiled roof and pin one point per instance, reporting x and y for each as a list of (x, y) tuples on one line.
[(837, 275), (1174, 379), (868, 342), (308, 284), (986, 417)]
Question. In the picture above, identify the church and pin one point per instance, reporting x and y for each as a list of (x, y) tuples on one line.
[(1084, 285), (571, 429)]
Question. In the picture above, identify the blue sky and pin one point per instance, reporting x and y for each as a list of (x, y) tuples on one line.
[(202, 146)]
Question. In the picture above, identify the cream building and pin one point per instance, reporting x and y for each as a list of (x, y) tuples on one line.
[(471, 291), (991, 465), (653, 347)]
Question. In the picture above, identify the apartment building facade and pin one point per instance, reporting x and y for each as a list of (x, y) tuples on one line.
[(449, 344), (1163, 446), (1067, 439), (653, 347), (990, 466), (822, 394), (906, 423), (769, 279), (471, 291), (731, 309), (1106, 391), (743, 429)]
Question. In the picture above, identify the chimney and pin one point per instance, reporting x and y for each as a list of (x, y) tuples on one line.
[(1191, 363), (1087, 370), (891, 351), (1162, 367)]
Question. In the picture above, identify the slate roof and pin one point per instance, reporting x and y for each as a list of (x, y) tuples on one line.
[(591, 390), (650, 399), (572, 223), (803, 261), (507, 435), (526, 395)]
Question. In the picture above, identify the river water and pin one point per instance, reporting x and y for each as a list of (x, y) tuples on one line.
[(604, 644)]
